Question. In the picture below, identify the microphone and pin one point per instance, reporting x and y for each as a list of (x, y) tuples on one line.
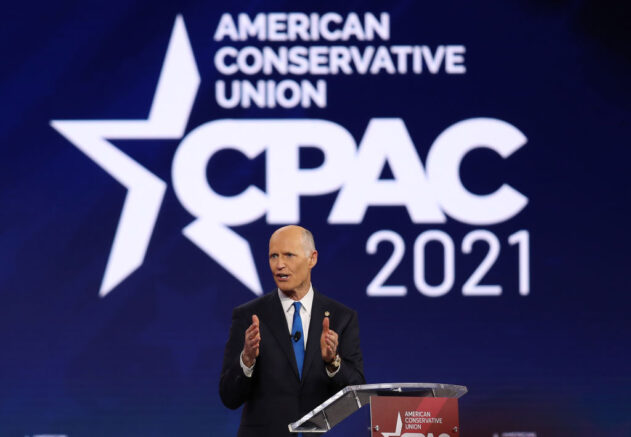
[(296, 336)]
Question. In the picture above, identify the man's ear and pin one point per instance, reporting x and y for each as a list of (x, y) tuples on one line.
[(313, 259)]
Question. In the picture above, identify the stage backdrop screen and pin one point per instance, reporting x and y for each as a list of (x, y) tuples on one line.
[(463, 166)]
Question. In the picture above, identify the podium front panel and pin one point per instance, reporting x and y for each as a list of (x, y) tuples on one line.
[(413, 416)]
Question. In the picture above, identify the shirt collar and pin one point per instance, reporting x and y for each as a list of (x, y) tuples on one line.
[(306, 301)]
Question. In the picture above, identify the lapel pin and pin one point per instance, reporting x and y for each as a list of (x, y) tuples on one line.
[(327, 314)]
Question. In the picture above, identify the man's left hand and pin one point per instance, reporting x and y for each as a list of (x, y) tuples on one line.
[(328, 342)]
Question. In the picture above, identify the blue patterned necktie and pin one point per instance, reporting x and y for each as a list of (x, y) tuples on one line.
[(299, 346)]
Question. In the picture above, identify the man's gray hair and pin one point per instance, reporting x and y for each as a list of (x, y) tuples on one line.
[(307, 241)]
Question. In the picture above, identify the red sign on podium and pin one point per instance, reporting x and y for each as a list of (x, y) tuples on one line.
[(413, 417)]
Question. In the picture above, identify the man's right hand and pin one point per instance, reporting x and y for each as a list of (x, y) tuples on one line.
[(252, 342)]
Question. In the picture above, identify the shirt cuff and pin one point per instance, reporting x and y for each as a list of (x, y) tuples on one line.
[(332, 374), (248, 371)]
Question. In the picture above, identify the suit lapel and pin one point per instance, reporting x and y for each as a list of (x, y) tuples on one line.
[(277, 323), (315, 331)]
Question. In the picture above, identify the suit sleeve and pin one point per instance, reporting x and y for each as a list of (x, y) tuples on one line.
[(234, 386), (352, 369)]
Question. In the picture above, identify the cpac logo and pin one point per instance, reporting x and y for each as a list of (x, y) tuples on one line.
[(397, 432), (429, 194)]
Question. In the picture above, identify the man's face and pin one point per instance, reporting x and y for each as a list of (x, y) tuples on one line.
[(289, 262)]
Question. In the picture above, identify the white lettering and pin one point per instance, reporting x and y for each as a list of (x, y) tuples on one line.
[(286, 181), (433, 62), (362, 61), (386, 141), (454, 60), (248, 27), (330, 17), (340, 60), (256, 63), (267, 94), (381, 27), (382, 60), (355, 172), (322, 60), (226, 27), (277, 27), (401, 52), (281, 26), (443, 167), (318, 60), (353, 27), (220, 60), (275, 60), (220, 94), (297, 26), (190, 182)]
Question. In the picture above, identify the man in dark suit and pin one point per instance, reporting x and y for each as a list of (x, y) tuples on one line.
[(284, 358)]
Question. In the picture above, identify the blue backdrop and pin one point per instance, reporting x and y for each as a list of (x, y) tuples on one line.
[(124, 245)]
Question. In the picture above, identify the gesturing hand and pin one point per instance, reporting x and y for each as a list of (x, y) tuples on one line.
[(328, 342), (252, 342)]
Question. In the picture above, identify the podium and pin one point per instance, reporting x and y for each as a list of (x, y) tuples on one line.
[(345, 402)]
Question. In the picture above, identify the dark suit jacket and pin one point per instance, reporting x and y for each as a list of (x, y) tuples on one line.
[(275, 396)]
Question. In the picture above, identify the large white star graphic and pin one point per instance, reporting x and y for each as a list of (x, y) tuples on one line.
[(170, 110)]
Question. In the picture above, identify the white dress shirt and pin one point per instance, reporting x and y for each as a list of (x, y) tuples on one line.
[(306, 303)]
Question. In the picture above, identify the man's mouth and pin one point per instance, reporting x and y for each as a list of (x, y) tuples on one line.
[(282, 276)]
